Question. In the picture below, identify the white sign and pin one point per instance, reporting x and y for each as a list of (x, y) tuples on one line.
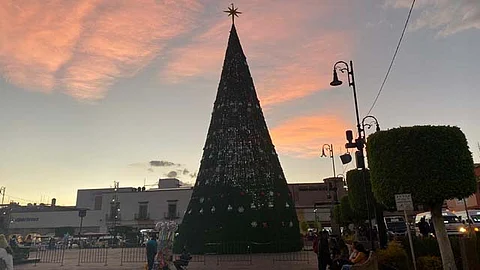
[(404, 202)]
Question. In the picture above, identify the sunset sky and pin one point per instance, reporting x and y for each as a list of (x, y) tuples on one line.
[(93, 91)]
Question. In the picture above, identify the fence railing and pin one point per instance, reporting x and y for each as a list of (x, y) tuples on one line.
[(133, 255), (93, 255), (216, 253), (195, 258), (300, 256), (52, 254)]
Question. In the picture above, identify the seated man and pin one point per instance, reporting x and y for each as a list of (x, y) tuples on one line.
[(183, 260)]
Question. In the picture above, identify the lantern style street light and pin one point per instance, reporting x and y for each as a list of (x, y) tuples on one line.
[(359, 143)]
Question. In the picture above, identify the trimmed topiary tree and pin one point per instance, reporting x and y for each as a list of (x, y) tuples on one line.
[(356, 193), (342, 212), (358, 202), (346, 211), (433, 163)]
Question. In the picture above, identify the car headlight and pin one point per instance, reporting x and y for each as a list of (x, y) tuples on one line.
[(476, 229), (462, 230)]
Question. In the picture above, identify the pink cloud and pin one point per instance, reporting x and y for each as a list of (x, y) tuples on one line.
[(289, 58), (304, 136), (83, 47)]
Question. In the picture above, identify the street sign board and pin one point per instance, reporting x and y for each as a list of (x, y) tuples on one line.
[(404, 202)]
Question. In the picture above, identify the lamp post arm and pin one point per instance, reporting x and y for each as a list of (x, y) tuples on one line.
[(335, 66), (352, 84), (333, 159), (369, 125)]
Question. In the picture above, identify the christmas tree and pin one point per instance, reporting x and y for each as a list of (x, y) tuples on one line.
[(240, 198)]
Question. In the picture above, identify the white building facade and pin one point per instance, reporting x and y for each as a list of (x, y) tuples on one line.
[(105, 208)]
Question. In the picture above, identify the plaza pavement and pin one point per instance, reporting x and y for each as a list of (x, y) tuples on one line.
[(212, 262)]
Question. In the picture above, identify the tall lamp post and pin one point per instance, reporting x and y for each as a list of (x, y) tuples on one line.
[(359, 143), (329, 148), (368, 122), (332, 186)]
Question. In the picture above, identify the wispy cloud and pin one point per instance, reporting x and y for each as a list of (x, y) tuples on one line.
[(164, 167), (83, 47), (279, 42), (304, 136), (446, 16), (163, 163)]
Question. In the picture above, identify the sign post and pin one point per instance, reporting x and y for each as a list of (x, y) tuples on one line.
[(404, 202)]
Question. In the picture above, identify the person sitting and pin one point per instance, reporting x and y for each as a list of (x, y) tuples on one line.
[(342, 257), (184, 259), (360, 257)]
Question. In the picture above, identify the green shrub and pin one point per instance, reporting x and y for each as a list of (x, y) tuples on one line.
[(429, 263), (394, 256), (428, 247)]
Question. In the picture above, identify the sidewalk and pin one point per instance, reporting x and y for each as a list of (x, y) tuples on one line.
[(212, 262)]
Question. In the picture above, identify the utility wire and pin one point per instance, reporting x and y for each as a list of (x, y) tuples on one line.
[(393, 58)]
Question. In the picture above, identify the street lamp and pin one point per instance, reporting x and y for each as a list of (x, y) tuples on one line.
[(343, 180), (343, 67), (329, 148), (374, 121)]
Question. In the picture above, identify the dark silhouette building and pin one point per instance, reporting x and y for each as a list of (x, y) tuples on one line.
[(240, 201)]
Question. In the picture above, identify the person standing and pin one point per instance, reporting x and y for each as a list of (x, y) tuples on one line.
[(423, 227), (323, 252), (6, 254), (151, 251)]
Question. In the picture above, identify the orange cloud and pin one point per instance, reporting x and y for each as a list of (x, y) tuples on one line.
[(83, 47), (304, 136), (289, 58)]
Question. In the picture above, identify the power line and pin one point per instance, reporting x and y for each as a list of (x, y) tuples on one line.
[(393, 58)]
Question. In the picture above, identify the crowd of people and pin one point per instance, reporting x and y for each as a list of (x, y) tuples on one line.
[(160, 257), (336, 253), (426, 228)]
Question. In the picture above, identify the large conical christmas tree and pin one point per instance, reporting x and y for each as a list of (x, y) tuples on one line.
[(241, 198)]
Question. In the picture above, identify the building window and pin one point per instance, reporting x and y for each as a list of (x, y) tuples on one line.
[(142, 211), (98, 203), (172, 210)]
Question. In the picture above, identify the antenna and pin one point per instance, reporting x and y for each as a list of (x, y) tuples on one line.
[(2, 191)]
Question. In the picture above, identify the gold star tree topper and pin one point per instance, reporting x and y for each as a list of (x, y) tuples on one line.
[(233, 11)]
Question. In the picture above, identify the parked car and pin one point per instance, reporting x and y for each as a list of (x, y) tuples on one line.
[(473, 218), (453, 224)]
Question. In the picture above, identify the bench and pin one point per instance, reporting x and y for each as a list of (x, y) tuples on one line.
[(370, 264)]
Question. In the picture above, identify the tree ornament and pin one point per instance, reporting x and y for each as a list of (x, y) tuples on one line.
[(213, 209), (254, 224), (290, 224), (241, 209), (287, 205), (202, 200), (252, 206), (229, 208), (201, 211)]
